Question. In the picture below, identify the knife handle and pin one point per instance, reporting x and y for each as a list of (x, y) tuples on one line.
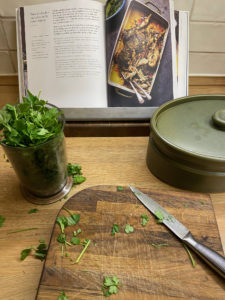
[(212, 258)]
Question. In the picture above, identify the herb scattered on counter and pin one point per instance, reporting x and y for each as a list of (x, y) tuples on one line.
[(159, 215), (137, 206), (110, 286), (75, 171), (86, 243), (29, 123), (186, 205), (202, 202), (24, 229), (5, 158), (119, 188), (63, 296), (190, 256), (160, 245), (75, 241), (40, 252), (115, 229), (128, 228), (32, 211), (2, 220), (144, 219)]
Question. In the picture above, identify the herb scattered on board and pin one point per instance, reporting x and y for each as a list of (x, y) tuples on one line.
[(86, 243), (186, 205), (110, 286), (119, 188), (159, 215), (144, 219), (74, 170), (40, 251), (115, 229), (128, 228), (67, 221), (190, 256), (24, 229), (160, 245), (62, 296), (202, 202), (29, 123), (2, 220), (32, 211)]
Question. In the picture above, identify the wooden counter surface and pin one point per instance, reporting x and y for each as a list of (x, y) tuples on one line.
[(105, 161)]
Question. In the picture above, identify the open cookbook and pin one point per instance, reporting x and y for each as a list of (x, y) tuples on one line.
[(98, 67)]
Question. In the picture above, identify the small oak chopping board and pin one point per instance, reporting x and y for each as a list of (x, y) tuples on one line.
[(144, 271)]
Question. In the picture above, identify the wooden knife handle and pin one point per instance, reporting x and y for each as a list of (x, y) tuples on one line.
[(212, 258)]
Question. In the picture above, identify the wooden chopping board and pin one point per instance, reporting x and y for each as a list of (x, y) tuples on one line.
[(145, 272)]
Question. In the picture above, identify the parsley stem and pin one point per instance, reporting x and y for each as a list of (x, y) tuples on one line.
[(62, 250), (66, 209), (190, 256), (25, 229), (82, 252)]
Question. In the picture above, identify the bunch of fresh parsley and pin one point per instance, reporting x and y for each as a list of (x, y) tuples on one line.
[(29, 123)]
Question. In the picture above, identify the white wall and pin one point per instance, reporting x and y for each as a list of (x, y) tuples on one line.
[(207, 35)]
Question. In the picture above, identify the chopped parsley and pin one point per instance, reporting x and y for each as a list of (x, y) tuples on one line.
[(202, 202), (40, 251), (32, 211), (2, 220), (86, 243), (115, 229), (186, 205), (62, 296), (159, 215), (128, 228), (144, 219), (160, 245), (75, 241), (119, 188), (74, 170), (190, 256), (24, 229), (110, 286)]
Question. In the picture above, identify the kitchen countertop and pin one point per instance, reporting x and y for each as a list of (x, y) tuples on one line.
[(105, 161)]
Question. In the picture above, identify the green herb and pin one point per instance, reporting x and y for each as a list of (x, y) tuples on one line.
[(25, 252), (76, 232), (40, 252), (64, 221), (42, 241), (66, 254), (202, 202), (186, 205), (144, 219), (65, 197), (129, 228), (115, 229), (21, 230), (137, 206), (62, 296), (190, 256), (29, 123), (119, 188), (75, 171), (159, 215), (160, 245), (32, 211), (2, 220), (110, 286), (86, 244), (75, 241), (62, 239)]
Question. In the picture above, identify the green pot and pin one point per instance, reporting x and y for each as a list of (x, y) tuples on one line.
[(41, 169), (187, 143)]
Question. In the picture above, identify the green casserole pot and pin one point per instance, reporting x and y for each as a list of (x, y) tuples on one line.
[(187, 143)]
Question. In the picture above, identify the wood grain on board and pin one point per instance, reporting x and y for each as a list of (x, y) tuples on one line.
[(144, 271)]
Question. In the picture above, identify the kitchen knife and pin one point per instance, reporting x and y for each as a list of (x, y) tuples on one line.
[(212, 258)]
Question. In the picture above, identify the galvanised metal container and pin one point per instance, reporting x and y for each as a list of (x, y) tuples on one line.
[(187, 143)]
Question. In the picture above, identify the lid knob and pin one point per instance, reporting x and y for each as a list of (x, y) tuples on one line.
[(219, 118)]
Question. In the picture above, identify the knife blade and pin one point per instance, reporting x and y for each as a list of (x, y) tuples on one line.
[(212, 258)]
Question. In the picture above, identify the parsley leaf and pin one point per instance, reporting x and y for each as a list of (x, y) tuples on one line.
[(115, 229), (119, 188), (2, 220), (110, 286), (144, 219), (75, 241), (62, 296), (41, 251), (75, 171), (129, 228), (25, 252), (159, 215), (32, 211)]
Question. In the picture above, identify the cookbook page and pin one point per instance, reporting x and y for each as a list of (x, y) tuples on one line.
[(141, 54), (65, 53)]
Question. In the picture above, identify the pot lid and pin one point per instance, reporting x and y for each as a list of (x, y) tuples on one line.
[(195, 125)]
